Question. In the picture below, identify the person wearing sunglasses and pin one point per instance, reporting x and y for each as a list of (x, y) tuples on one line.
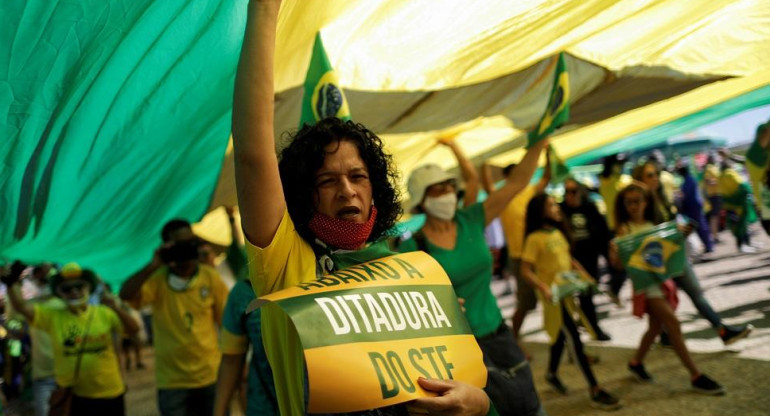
[(82, 338), (648, 174), (590, 239)]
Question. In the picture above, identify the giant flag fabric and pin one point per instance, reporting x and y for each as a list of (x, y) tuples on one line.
[(653, 256), (323, 96), (557, 111)]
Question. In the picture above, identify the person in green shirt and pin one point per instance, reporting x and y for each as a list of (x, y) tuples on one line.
[(455, 238)]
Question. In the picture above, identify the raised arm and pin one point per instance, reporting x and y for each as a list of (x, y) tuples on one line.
[(543, 182), (486, 178), (133, 285), (260, 195), (467, 170), (516, 181)]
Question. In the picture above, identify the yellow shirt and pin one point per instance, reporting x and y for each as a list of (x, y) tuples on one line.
[(711, 180), (287, 261), (548, 251), (99, 375), (608, 189), (513, 220), (185, 324)]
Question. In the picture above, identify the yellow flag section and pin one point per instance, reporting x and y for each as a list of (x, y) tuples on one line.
[(375, 328)]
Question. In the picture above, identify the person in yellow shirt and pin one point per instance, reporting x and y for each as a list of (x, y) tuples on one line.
[(512, 220), (82, 338), (188, 300), (545, 257), (326, 206)]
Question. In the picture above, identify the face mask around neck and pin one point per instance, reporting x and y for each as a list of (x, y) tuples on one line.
[(442, 207), (177, 283), (79, 301)]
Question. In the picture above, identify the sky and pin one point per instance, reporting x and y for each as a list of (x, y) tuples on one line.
[(737, 129)]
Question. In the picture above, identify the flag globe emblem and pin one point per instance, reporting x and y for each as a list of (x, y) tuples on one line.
[(652, 253), (328, 98)]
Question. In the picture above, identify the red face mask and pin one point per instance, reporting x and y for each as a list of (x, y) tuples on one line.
[(342, 234)]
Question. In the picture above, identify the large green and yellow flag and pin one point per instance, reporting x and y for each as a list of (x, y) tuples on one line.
[(653, 256), (557, 112), (559, 170), (323, 96)]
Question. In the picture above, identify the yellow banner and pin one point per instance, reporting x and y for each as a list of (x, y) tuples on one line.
[(371, 330)]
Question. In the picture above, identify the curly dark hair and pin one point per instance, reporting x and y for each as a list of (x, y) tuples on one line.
[(535, 219), (304, 155)]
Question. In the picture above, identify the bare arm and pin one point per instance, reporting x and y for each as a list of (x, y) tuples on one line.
[(516, 181), (230, 376), (543, 182), (19, 304), (260, 194), (130, 326), (529, 275), (133, 285), (467, 170), (486, 178)]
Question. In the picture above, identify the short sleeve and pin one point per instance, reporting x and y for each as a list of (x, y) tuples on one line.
[(233, 344), (42, 317), (531, 249), (268, 265), (220, 296)]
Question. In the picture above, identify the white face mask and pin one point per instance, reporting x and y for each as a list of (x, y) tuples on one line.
[(79, 301), (442, 207), (177, 283)]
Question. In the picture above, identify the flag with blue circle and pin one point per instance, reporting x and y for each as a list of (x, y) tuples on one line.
[(653, 256), (323, 97)]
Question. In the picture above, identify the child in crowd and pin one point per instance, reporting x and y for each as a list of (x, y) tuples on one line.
[(635, 212), (546, 255)]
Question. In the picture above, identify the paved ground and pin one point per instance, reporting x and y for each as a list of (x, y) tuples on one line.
[(738, 286)]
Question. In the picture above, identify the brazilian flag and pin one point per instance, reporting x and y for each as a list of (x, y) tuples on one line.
[(653, 256), (559, 170), (323, 96), (557, 112)]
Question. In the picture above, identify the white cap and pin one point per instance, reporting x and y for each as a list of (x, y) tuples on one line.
[(423, 177)]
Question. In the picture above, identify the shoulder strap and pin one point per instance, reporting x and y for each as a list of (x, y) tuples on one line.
[(83, 345)]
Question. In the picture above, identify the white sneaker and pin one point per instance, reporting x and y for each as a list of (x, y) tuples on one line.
[(745, 248)]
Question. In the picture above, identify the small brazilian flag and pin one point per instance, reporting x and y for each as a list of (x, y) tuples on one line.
[(653, 256), (323, 96), (559, 170), (557, 112)]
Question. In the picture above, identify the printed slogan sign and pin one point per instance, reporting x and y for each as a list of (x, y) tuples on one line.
[(652, 256), (371, 330)]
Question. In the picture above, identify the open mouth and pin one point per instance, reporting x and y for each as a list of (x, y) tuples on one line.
[(348, 213)]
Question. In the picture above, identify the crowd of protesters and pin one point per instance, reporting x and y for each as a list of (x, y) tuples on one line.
[(332, 195)]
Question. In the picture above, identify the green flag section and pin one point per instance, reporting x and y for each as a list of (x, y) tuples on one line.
[(322, 96), (375, 328), (115, 119), (653, 256), (557, 111), (568, 284)]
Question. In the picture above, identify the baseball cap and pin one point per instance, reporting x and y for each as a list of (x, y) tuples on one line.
[(423, 177)]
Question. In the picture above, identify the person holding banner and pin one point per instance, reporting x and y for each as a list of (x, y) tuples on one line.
[(648, 174), (455, 238), (545, 259), (635, 213), (323, 208)]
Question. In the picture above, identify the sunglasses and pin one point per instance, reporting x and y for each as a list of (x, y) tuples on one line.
[(651, 175), (67, 289), (571, 190), (632, 201)]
